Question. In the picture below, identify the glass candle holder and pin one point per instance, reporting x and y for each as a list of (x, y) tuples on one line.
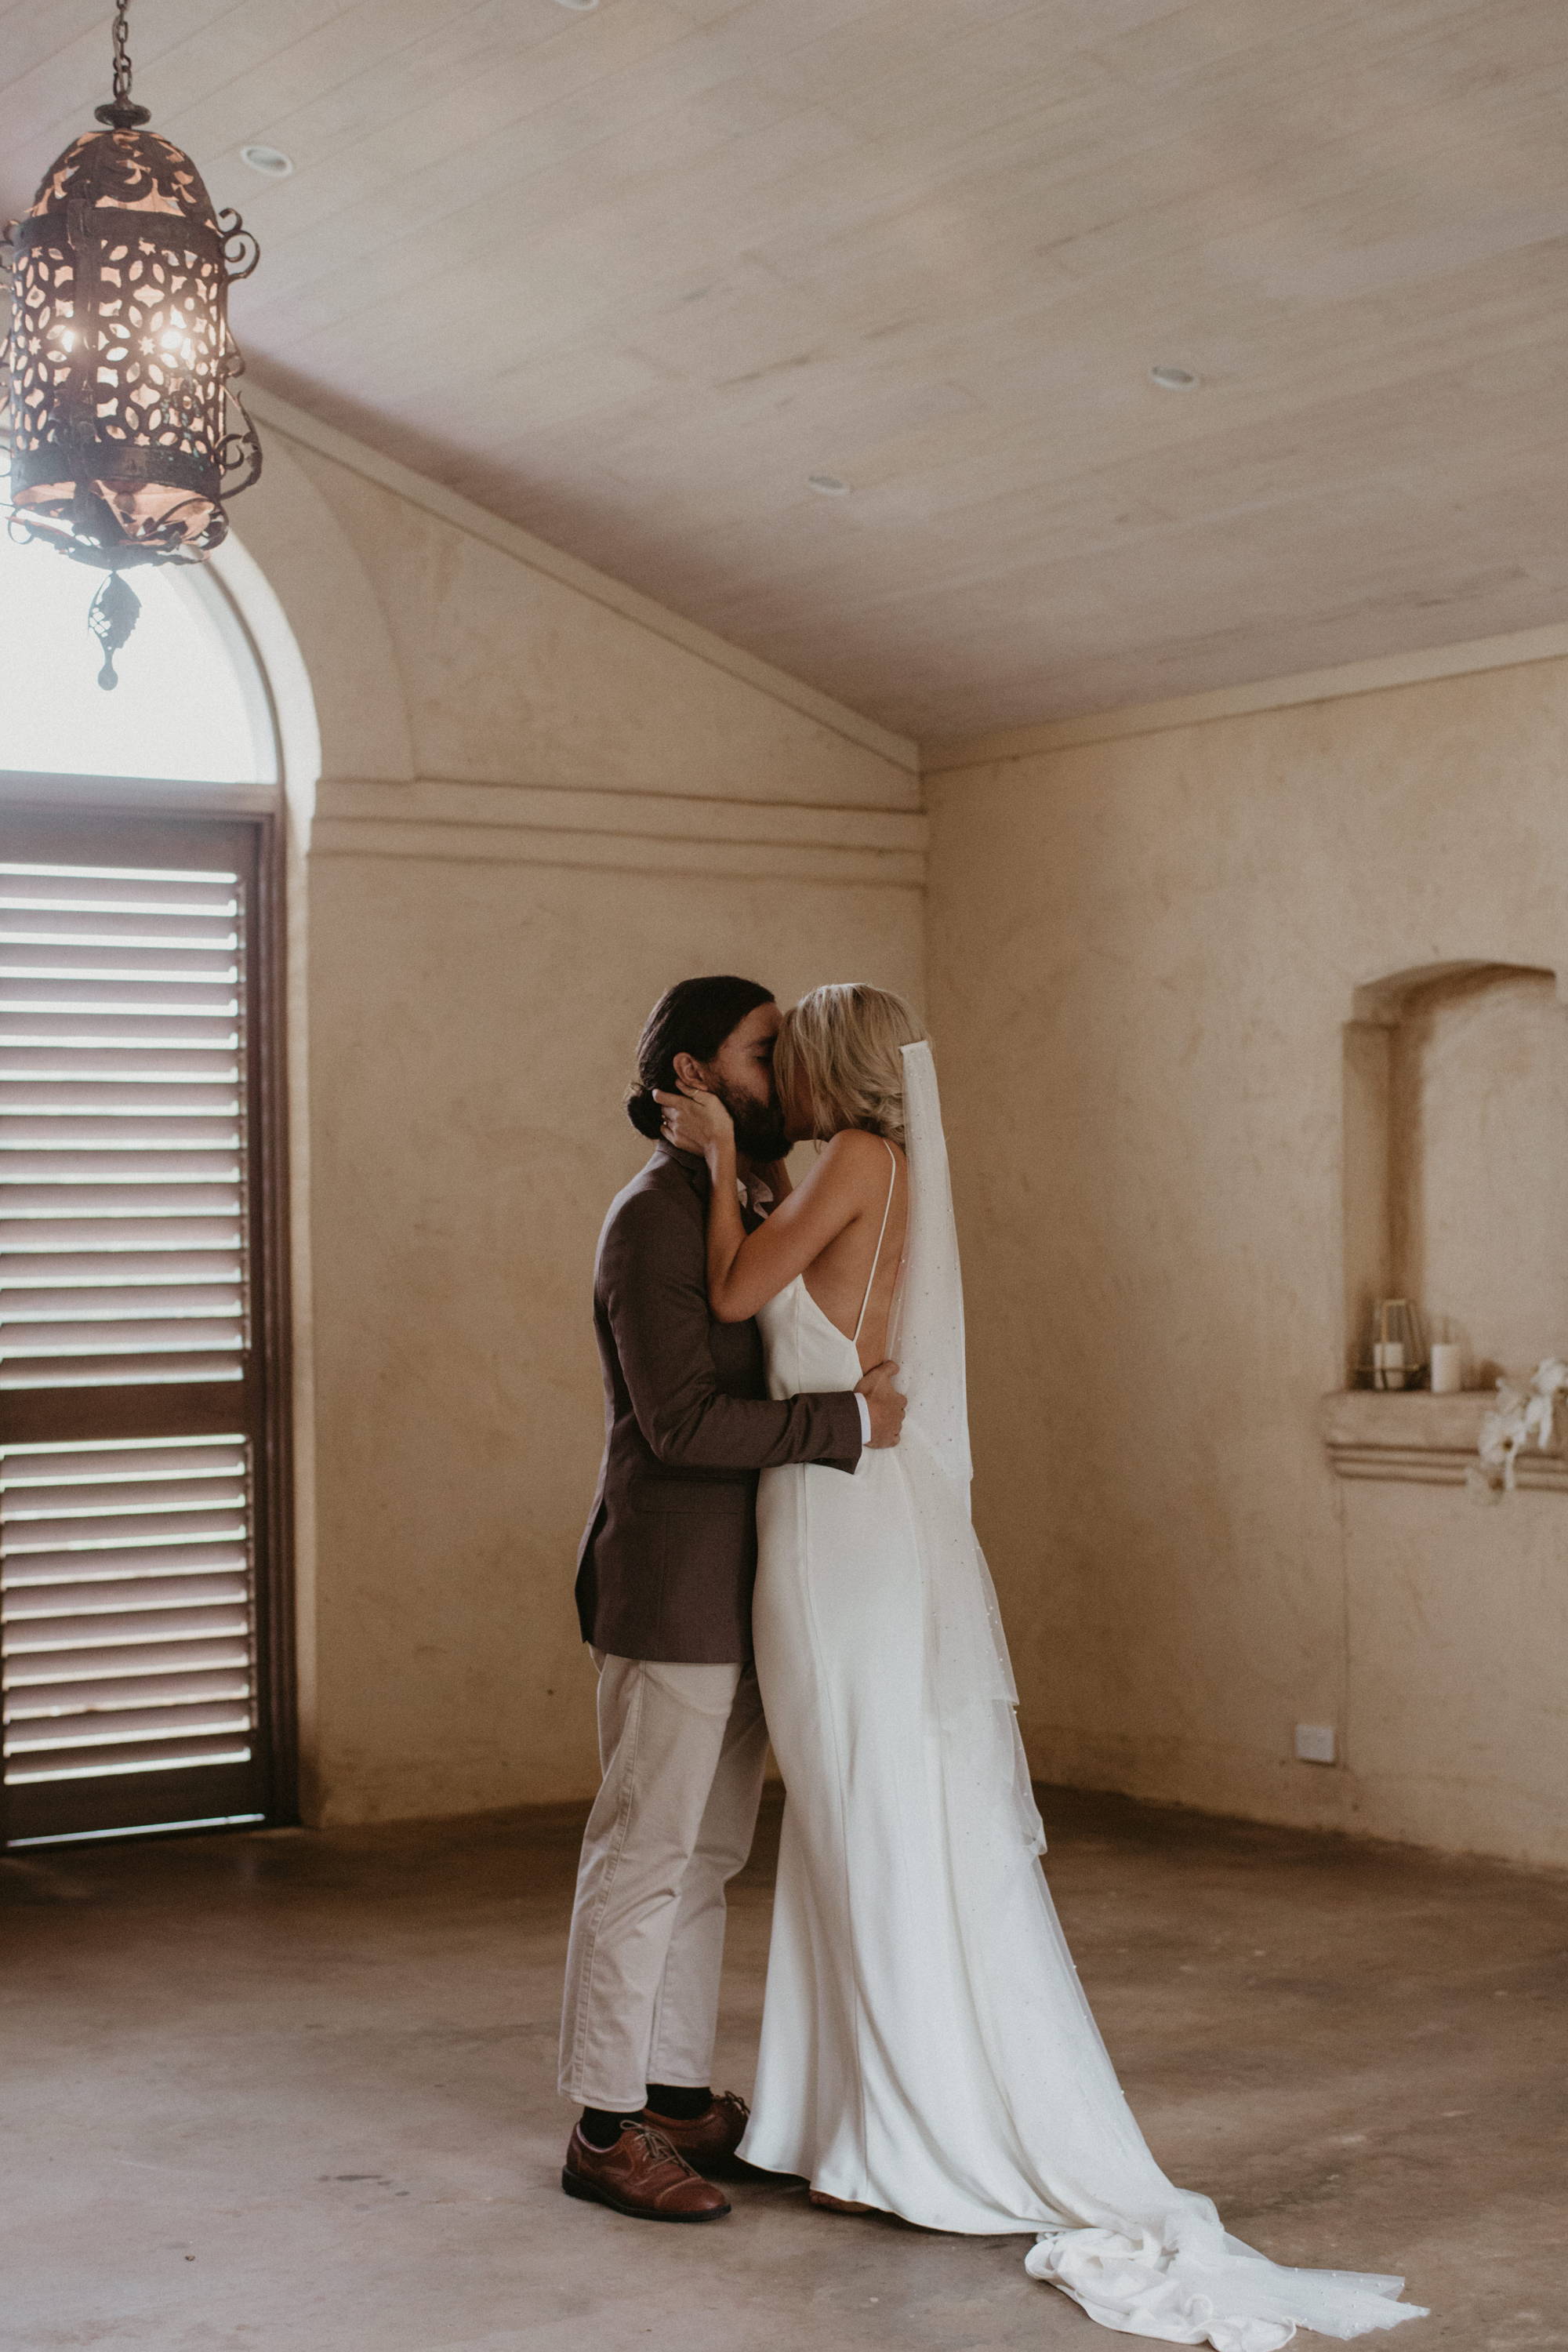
[(1395, 1355)]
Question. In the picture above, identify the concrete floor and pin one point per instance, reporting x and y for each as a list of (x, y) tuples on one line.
[(293, 2092)]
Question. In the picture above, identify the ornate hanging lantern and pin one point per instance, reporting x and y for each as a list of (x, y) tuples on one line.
[(127, 432)]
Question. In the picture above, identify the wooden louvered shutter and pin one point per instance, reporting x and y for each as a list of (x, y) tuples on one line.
[(143, 1648)]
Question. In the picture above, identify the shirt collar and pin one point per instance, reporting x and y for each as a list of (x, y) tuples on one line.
[(692, 1165), (757, 1198)]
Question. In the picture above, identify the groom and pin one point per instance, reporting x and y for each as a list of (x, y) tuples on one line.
[(664, 1596)]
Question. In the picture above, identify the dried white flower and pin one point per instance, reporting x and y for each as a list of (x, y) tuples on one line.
[(1519, 1415)]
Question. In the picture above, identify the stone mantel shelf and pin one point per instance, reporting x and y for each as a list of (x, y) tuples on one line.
[(1419, 1438)]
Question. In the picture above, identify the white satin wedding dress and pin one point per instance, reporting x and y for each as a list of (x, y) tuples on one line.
[(926, 2045)]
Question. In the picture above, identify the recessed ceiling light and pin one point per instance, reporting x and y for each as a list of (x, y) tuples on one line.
[(828, 485), (1173, 379), (579, 4), (270, 161)]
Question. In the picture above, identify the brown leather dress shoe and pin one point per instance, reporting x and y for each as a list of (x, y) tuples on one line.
[(641, 2175), (709, 2140)]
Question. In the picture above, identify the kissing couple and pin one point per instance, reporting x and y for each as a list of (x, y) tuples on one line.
[(780, 1544)]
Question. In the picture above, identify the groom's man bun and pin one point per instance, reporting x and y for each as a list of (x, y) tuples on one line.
[(693, 1017)]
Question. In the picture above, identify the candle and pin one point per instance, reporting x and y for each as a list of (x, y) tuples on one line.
[(1447, 1367), (1388, 1363)]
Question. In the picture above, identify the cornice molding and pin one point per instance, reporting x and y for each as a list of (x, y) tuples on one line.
[(545, 824), (1375, 676), (346, 450)]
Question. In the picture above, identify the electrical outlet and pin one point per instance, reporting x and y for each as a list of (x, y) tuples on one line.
[(1316, 1744)]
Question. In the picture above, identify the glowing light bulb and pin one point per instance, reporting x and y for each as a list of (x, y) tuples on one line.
[(173, 342)]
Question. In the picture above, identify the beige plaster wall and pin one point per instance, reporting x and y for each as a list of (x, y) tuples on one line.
[(1143, 953), (538, 809), (538, 802), (472, 1041), (509, 676)]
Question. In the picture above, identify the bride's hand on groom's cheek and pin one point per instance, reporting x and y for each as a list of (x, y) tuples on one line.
[(694, 1120)]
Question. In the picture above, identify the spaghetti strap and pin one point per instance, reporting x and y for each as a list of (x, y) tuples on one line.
[(876, 1262)]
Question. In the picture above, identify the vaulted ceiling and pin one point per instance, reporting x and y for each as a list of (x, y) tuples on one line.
[(628, 274)]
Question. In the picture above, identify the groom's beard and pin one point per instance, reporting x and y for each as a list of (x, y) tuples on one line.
[(760, 1133)]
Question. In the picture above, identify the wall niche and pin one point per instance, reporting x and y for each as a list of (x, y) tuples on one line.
[(1456, 1160)]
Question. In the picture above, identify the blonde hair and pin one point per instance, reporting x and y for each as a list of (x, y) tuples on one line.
[(839, 1050)]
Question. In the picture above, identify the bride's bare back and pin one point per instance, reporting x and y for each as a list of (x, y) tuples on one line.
[(841, 1229), (863, 1252)]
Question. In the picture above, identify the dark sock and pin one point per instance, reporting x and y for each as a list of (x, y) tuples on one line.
[(599, 2128), (677, 2105)]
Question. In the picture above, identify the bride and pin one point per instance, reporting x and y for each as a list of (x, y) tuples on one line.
[(926, 2047)]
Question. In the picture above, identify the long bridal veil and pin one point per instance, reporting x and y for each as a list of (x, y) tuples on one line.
[(972, 1695), (1139, 2255)]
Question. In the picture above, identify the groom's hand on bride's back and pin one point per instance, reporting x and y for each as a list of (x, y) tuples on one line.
[(886, 1406)]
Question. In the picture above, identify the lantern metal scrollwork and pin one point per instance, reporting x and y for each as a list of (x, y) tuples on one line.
[(127, 432)]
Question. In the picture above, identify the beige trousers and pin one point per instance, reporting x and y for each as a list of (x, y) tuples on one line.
[(681, 1749)]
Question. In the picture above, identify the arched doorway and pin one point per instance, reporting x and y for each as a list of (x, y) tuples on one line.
[(144, 1627)]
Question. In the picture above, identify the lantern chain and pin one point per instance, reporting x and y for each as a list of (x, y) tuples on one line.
[(122, 51), (123, 113)]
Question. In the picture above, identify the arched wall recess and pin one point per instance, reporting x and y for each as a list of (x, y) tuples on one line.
[(1455, 1150), (1455, 1196)]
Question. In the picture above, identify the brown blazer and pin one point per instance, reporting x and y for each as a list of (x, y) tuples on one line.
[(667, 1563)]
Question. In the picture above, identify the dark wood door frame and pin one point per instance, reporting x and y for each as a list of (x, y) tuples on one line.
[(47, 832)]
